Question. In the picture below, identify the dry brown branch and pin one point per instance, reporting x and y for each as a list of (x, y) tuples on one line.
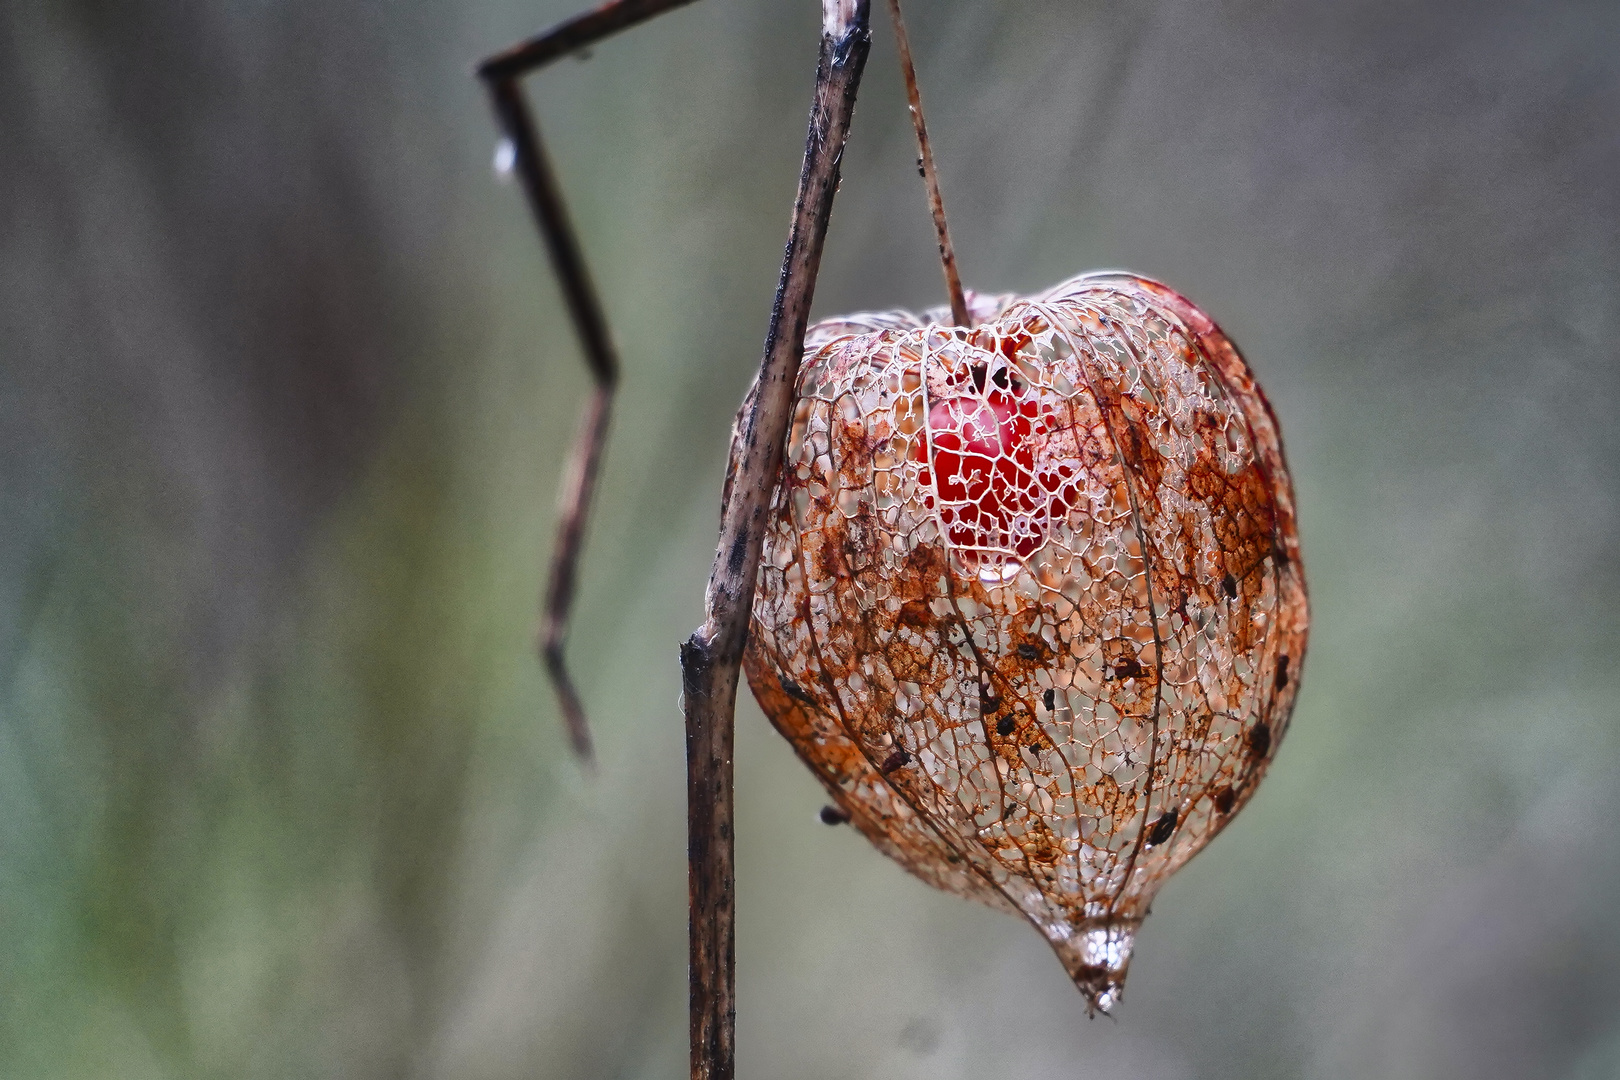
[(710, 658), (501, 74)]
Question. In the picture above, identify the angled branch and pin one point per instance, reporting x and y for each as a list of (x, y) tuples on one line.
[(501, 75)]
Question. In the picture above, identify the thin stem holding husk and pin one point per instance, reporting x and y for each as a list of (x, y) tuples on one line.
[(925, 158)]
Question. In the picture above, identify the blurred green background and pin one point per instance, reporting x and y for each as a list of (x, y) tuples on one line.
[(285, 387)]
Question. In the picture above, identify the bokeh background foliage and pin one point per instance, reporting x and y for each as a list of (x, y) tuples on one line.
[(285, 387)]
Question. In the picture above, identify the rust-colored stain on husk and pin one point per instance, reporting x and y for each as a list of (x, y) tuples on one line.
[(1031, 603)]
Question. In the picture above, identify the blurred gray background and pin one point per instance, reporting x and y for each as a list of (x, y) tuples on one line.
[(285, 387)]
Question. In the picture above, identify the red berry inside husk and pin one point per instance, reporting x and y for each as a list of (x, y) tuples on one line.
[(985, 451)]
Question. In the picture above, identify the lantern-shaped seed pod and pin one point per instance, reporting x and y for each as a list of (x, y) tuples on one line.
[(1031, 603)]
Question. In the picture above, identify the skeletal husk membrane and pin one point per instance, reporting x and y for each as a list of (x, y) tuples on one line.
[(1031, 604)]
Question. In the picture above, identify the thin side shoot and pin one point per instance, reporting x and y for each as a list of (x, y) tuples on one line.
[(925, 158)]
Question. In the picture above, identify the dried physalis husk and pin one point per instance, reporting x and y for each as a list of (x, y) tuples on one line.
[(1031, 604)]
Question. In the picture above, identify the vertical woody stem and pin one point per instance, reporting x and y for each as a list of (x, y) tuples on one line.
[(710, 659)]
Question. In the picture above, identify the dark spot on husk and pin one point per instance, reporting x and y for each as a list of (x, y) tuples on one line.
[(795, 691), (1260, 741), (1160, 830), (1129, 668), (834, 815)]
